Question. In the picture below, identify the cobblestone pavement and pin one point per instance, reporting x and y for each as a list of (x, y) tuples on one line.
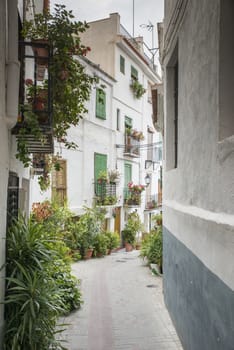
[(123, 307)]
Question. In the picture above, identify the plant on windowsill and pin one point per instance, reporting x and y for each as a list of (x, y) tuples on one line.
[(113, 176), (102, 177), (71, 85), (137, 135), (137, 88)]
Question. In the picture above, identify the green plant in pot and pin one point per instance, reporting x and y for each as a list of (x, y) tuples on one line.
[(102, 177), (132, 228), (113, 240), (100, 245), (137, 88), (129, 237), (113, 176)]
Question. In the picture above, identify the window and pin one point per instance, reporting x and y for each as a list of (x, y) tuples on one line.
[(226, 79), (100, 104), (12, 198), (128, 122), (149, 92), (118, 119), (122, 64), (172, 87), (59, 183), (150, 149), (134, 73), (100, 164)]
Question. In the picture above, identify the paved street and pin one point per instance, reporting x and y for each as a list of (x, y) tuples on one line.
[(123, 307)]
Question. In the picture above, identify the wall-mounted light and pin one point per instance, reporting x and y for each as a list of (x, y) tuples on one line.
[(147, 180)]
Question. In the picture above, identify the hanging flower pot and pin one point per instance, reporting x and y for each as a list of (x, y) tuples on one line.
[(41, 51)]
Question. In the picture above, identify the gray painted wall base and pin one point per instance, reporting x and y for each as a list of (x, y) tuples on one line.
[(200, 304)]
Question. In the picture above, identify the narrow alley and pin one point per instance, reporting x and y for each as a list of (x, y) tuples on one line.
[(123, 307)]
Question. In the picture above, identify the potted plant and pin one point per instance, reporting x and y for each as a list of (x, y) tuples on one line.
[(132, 228), (113, 176), (158, 219), (113, 240), (129, 237), (137, 135), (99, 245), (102, 177), (137, 88)]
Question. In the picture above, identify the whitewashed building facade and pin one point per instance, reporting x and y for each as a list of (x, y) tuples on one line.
[(198, 207), (123, 58)]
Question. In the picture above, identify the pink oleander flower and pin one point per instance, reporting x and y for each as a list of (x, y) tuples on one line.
[(135, 188)]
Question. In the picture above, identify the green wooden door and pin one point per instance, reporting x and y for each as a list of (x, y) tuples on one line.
[(100, 164), (127, 177)]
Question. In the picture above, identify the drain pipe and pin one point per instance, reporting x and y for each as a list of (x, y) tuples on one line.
[(13, 65)]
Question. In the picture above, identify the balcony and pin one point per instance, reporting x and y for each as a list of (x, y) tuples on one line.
[(131, 147), (105, 193), (151, 202), (33, 129), (131, 199)]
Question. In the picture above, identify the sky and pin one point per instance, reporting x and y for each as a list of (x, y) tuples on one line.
[(146, 12)]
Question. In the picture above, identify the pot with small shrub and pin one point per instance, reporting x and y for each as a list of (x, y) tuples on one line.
[(100, 245), (113, 240), (129, 237)]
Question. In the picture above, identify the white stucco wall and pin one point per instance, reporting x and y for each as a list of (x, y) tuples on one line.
[(203, 179)]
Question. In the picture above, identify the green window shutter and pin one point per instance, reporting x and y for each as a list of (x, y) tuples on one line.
[(127, 178), (100, 164), (134, 73), (128, 122), (122, 64), (100, 104), (127, 173)]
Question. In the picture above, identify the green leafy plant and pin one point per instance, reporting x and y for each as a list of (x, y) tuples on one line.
[(113, 239), (137, 88), (68, 285), (152, 247), (102, 176), (71, 85), (157, 218), (99, 245), (132, 227), (87, 227), (106, 200), (33, 300)]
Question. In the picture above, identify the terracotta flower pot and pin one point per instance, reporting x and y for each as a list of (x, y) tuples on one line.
[(128, 247), (88, 254)]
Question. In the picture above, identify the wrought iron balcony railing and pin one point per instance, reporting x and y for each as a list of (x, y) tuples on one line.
[(34, 124), (131, 146), (105, 193), (132, 198), (151, 202)]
